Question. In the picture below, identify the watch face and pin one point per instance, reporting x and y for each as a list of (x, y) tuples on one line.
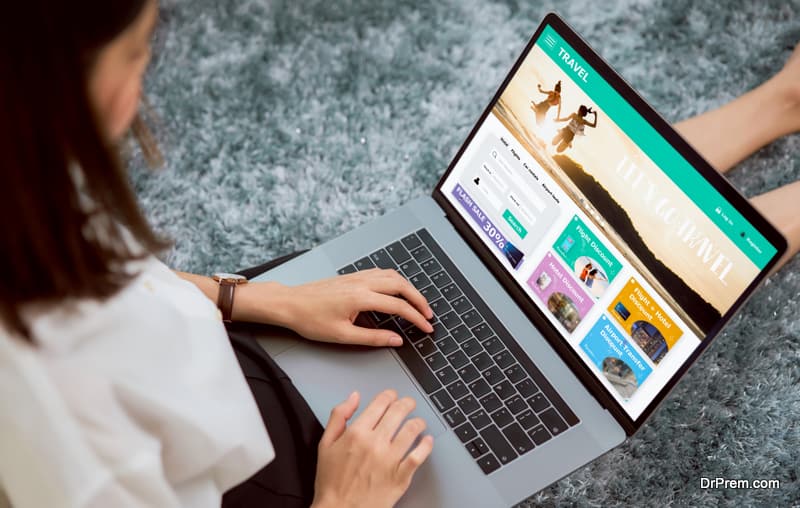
[(235, 277)]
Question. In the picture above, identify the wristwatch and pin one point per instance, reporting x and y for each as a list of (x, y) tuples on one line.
[(227, 287)]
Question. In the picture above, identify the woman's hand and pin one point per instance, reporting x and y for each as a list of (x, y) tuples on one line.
[(326, 310), (368, 464)]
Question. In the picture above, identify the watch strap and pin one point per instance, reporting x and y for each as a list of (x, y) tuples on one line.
[(225, 298)]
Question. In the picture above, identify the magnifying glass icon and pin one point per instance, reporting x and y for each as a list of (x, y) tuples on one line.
[(494, 154)]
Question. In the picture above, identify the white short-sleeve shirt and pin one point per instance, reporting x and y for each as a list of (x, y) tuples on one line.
[(135, 401)]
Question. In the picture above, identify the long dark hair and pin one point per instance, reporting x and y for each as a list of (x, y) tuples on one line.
[(60, 238)]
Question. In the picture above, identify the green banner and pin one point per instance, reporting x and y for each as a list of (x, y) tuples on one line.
[(678, 169), (579, 247)]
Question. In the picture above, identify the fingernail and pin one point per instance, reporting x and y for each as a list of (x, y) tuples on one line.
[(395, 341), (430, 313)]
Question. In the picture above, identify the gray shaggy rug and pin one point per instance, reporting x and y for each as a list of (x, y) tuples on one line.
[(287, 123)]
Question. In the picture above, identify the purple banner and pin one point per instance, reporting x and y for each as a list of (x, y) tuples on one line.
[(557, 289), (492, 232)]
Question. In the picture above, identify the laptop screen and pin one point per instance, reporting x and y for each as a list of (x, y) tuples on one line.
[(629, 252)]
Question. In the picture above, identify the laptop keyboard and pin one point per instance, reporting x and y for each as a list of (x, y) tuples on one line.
[(487, 389)]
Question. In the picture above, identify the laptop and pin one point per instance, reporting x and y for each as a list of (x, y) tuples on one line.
[(579, 256)]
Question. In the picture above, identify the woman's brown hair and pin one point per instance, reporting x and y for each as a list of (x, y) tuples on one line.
[(67, 199)]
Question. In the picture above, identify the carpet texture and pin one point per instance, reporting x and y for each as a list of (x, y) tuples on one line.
[(287, 123)]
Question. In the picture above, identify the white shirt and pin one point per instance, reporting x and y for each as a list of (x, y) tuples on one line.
[(135, 401)]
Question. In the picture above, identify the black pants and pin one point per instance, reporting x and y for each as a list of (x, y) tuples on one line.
[(288, 481)]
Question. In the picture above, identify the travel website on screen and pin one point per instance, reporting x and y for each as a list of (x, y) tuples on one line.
[(630, 253)]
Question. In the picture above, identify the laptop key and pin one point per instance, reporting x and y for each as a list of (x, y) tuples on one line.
[(446, 375), (479, 387), (468, 373), (411, 241), (347, 269), (504, 389), (442, 401), (493, 375), (518, 438), (426, 379), (440, 279), (439, 330), (451, 320), (431, 266), (539, 435), (528, 419), (457, 389), (421, 253), (498, 444), (502, 417), (398, 252), (482, 361), (482, 331), (414, 334), (465, 432), (479, 419), (515, 373), (480, 445), (420, 281), (493, 345), (503, 359), (488, 463), (527, 388), (440, 307), (472, 347), (429, 292), (468, 404), (490, 402), (379, 317), (447, 345), (461, 304), (425, 347), (410, 268), (473, 450), (460, 333), (552, 421), (471, 317), (516, 404), (451, 291), (455, 417), (436, 361), (382, 260), (538, 403), (364, 263), (458, 359)]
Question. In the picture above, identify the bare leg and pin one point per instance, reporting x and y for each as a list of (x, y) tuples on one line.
[(780, 206), (727, 135)]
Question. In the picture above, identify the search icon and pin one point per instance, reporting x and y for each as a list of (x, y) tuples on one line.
[(494, 154)]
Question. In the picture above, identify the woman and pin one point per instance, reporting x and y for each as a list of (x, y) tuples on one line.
[(118, 384), (575, 127), (553, 99)]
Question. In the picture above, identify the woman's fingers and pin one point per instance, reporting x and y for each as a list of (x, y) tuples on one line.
[(390, 282), (397, 413), (352, 334), (416, 457), (397, 306), (338, 419), (375, 410), (407, 434)]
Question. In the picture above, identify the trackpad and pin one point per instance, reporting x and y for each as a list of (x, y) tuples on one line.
[(326, 374)]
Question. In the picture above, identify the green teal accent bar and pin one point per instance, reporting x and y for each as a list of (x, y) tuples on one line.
[(678, 169), (514, 223)]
